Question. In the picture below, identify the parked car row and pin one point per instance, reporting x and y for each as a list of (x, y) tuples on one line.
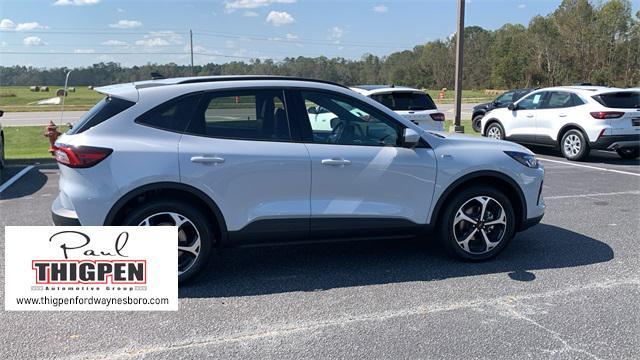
[(574, 119)]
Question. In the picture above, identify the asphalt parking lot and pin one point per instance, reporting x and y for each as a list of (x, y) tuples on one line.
[(568, 288)]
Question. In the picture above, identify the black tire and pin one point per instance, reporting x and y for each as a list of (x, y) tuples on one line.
[(574, 145), (500, 234), (476, 123), (628, 153), (204, 228), (495, 128)]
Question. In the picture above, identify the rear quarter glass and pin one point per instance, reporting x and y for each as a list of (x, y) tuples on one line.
[(100, 112)]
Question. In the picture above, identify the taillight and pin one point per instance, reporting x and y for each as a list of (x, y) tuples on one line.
[(437, 116), (601, 115), (80, 156)]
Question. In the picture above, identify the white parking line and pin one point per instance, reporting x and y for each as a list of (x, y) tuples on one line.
[(591, 195), (589, 167), (15, 178)]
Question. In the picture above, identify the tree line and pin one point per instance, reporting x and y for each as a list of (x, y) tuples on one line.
[(579, 42)]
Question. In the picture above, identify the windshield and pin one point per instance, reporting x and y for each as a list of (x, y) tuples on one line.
[(405, 101), (620, 100)]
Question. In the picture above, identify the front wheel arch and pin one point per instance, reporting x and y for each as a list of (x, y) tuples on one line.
[(489, 122), (489, 178)]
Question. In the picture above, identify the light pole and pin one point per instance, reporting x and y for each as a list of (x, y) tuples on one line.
[(459, 62), (64, 95)]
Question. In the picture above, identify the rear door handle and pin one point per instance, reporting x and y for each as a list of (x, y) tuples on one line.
[(563, 115), (336, 162), (529, 116), (207, 159)]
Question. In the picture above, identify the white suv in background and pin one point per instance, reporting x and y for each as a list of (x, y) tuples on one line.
[(413, 104), (237, 160), (574, 119)]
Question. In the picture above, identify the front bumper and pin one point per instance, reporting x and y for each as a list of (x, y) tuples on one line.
[(62, 216), (615, 142)]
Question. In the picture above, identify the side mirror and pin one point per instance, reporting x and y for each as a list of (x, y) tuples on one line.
[(69, 125), (1, 113), (410, 138), (512, 107), (312, 110)]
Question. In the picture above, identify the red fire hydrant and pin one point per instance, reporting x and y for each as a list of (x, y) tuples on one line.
[(52, 133)]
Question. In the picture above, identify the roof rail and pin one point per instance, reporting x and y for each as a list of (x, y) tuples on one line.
[(253, 77)]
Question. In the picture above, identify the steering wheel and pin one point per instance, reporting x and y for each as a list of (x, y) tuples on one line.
[(336, 132)]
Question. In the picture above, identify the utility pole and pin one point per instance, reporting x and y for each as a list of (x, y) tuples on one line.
[(191, 42), (459, 62)]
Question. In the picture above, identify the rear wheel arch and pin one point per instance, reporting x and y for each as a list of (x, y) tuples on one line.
[(567, 127), (494, 179), (168, 190)]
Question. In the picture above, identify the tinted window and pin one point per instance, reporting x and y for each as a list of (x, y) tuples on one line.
[(505, 98), (520, 94), (405, 101), (349, 122), (245, 115), (103, 110), (559, 99), (174, 115), (620, 100), (531, 102)]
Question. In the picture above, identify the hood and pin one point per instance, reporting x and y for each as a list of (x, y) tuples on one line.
[(483, 106), (474, 142)]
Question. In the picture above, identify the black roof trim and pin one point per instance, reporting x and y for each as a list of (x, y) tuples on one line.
[(255, 77)]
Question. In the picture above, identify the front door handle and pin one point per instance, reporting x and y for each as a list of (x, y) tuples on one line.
[(529, 116), (563, 115), (336, 162), (207, 159)]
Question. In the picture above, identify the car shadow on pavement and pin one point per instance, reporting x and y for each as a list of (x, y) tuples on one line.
[(28, 184), (322, 266)]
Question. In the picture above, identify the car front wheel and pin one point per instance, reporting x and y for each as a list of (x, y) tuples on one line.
[(628, 153), (495, 131), (195, 233), (477, 223), (574, 145)]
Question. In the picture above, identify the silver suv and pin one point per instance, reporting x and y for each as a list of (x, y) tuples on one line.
[(237, 160)]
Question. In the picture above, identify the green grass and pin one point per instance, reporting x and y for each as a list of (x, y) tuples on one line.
[(18, 98), (27, 142)]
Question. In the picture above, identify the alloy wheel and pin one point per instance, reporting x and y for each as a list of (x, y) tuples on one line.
[(189, 240), (479, 225), (494, 133), (572, 145)]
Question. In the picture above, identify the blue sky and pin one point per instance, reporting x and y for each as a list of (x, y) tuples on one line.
[(139, 32)]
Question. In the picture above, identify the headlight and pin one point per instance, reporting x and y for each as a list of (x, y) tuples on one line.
[(525, 159)]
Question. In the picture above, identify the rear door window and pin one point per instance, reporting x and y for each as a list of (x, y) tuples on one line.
[(620, 100), (559, 99), (403, 101), (103, 110)]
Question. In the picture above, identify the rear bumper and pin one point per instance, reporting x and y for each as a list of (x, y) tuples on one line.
[(615, 142), (62, 216)]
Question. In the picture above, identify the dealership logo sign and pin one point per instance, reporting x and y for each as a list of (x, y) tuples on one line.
[(91, 268)]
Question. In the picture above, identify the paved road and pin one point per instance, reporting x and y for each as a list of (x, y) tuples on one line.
[(42, 118), (565, 289)]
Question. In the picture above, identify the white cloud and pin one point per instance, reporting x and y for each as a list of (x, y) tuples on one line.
[(120, 10), (84, 51), (115, 43), (336, 33), (33, 41), (291, 36), (522, 6), (279, 18), (126, 24), (7, 24), (380, 9), (75, 2), (170, 36), (29, 26), (250, 14), (152, 42), (252, 4)]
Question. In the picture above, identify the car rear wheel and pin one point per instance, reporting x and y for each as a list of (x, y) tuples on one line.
[(574, 145), (476, 123), (195, 233), (477, 223), (628, 153), (495, 131)]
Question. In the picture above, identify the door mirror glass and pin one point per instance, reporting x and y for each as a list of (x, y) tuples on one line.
[(410, 138)]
